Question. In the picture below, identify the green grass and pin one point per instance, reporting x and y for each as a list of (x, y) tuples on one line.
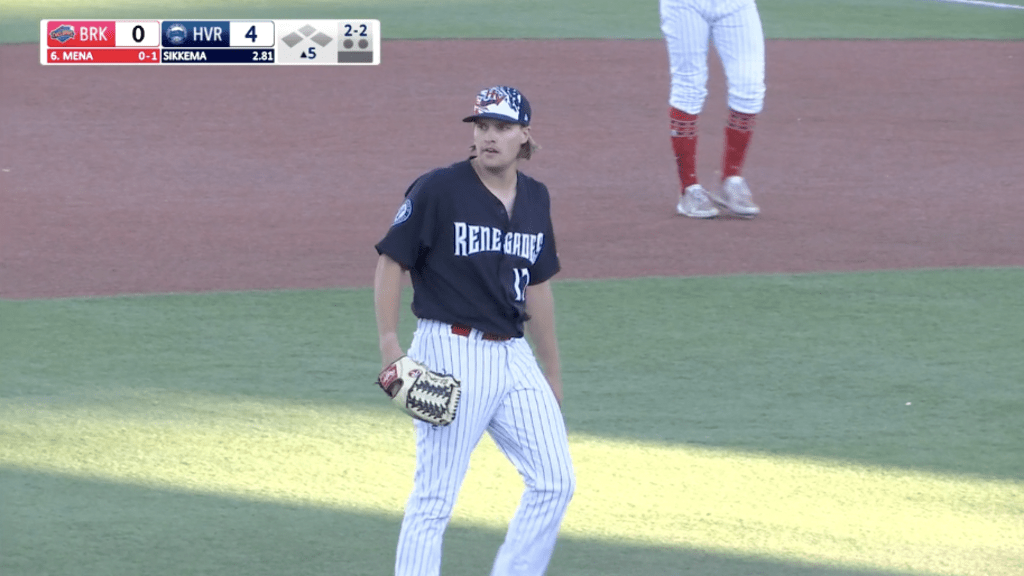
[(888, 19), (19, 19), (767, 431)]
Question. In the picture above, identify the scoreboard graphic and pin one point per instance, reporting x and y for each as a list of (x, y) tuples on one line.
[(218, 42)]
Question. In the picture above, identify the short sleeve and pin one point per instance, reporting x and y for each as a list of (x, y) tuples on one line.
[(412, 233)]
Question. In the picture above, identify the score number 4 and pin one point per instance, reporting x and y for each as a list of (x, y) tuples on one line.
[(252, 34)]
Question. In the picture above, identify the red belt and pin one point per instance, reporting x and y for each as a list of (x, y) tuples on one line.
[(460, 330)]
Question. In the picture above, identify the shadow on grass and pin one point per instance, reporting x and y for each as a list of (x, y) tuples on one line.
[(54, 524)]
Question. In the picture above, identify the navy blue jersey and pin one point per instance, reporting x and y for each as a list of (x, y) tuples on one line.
[(469, 262)]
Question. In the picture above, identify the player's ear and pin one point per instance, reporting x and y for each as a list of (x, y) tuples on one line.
[(526, 135), (529, 145)]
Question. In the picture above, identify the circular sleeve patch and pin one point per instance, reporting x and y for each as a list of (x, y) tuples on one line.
[(404, 211)]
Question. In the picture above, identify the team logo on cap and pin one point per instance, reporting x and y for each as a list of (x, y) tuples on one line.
[(489, 98), (501, 100)]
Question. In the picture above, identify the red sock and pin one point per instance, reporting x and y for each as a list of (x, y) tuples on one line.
[(737, 139), (684, 144)]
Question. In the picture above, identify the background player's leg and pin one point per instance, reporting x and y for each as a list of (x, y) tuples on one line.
[(686, 37), (529, 429), (738, 132), (683, 131), (739, 40), (443, 453)]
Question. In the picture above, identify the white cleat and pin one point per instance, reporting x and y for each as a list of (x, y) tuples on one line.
[(736, 197), (694, 203)]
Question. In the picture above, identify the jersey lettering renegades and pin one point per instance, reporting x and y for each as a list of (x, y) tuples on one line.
[(469, 262)]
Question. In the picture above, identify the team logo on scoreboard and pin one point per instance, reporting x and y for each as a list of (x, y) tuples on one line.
[(63, 33), (176, 34)]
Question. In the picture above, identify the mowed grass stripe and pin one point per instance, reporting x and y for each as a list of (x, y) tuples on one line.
[(807, 365), (611, 19), (728, 501)]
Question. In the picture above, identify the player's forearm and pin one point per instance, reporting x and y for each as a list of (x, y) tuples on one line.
[(540, 303), (546, 346), (387, 298)]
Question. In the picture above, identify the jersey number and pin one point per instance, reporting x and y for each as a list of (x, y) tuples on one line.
[(521, 282)]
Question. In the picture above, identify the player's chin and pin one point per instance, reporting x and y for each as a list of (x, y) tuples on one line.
[(494, 160)]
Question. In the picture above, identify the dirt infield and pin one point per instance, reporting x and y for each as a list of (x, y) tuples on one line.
[(868, 155)]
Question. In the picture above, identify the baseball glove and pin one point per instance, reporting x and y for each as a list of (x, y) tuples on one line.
[(420, 392)]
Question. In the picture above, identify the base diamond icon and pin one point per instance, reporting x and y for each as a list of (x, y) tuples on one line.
[(308, 42), (322, 39)]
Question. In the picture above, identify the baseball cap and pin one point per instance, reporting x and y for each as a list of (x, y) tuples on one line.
[(501, 103)]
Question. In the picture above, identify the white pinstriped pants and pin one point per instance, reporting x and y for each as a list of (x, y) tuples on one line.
[(735, 28), (505, 394)]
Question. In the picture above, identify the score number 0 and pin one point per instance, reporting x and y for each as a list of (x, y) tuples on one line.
[(136, 34)]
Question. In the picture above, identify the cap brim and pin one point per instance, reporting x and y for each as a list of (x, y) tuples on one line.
[(493, 116)]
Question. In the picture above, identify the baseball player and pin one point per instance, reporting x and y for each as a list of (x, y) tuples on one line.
[(477, 240), (735, 28)]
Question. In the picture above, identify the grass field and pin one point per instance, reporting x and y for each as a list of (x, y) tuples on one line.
[(871, 429), (19, 20), (800, 425)]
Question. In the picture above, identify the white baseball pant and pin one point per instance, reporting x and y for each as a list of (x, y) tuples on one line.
[(735, 28), (505, 394)]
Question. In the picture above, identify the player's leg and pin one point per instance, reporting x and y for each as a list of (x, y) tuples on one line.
[(443, 453), (529, 429), (686, 34), (686, 37), (739, 40)]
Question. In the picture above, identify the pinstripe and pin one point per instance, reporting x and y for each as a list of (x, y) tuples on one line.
[(735, 28), (530, 431), (686, 35), (739, 40), (506, 395)]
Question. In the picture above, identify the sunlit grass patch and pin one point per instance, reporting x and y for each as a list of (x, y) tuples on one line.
[(730, 502)]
